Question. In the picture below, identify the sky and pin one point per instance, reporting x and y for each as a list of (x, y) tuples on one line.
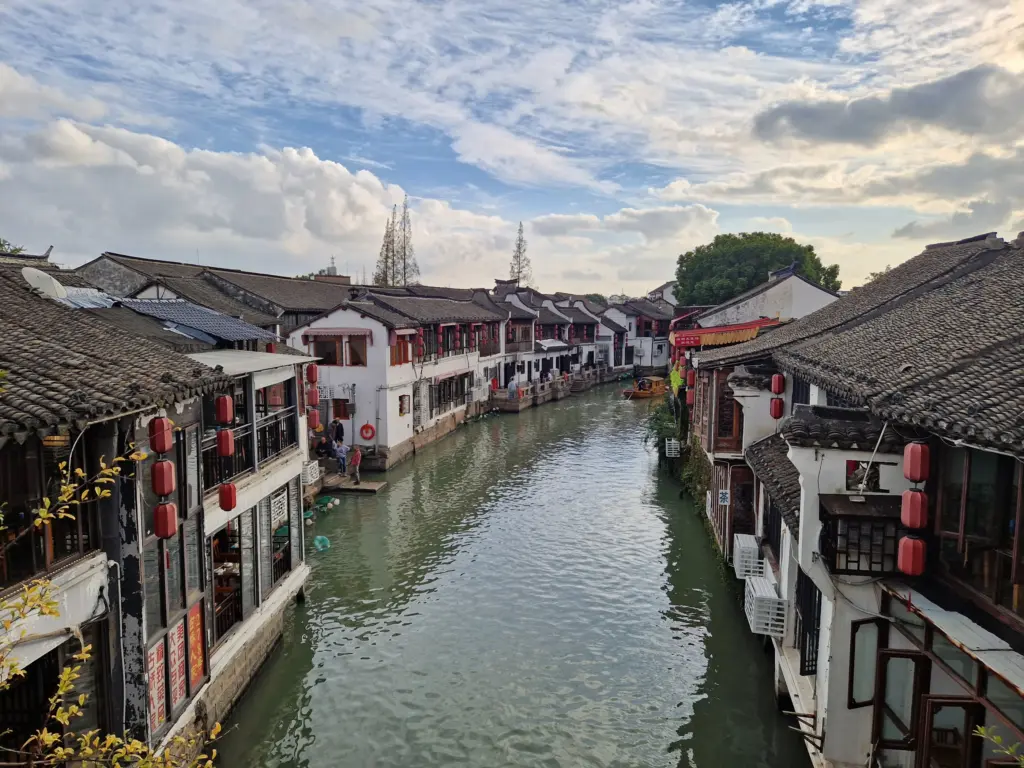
[(273, 136)]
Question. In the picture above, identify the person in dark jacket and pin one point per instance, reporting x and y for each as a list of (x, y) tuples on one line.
[(338, 431)]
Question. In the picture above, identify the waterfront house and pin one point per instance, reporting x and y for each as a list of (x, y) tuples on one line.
[(256, 297), (401, 370), (890, 519), (182, 594), (647, 329), (665, 292)]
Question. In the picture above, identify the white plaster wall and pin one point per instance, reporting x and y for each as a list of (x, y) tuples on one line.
[(848, 736), (76, 590), (818, 396), (155, 292), (823, 471), (788, 298), (757, 418), (626, 321), (808, 298)]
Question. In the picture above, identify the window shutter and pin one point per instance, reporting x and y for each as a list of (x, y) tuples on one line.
[(246, 544), (266, 548), (295, 521)]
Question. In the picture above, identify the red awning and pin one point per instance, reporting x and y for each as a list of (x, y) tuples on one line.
[(720, 334)]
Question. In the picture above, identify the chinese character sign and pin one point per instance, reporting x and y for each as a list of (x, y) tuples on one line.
[(155, 668), (176, 661), (196, 665)]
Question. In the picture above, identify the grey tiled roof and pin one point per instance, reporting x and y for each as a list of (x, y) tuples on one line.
[(202, 319), (388, 317), (650, 309), (431, 291), (577, 315), (949, 358), (612, 325), (290, 293), (546, 317), (426, 310), (156, 267), (517, 312), (66, 366), (769, 461), (150, 328), (819, 426), (935, 263), (199, 291)]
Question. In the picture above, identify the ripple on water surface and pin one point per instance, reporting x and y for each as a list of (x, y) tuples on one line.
[(526, 592)]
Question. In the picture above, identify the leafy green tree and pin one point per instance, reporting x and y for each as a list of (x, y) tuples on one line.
[(6, 246), (597, 298), (878, 274), (730, 264)]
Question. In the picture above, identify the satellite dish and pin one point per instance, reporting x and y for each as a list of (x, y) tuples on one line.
[(44, 283)]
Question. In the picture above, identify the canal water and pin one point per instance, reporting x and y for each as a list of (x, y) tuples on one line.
[(530, 591)]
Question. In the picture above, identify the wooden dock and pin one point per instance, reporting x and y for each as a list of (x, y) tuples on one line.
[(336, 483)]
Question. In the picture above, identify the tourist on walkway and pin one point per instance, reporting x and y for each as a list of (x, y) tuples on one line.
[(341, 454), (357, 459), (323, 449), (337, 431)]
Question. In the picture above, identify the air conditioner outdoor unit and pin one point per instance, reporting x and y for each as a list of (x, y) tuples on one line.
[(671, 448), (766, 611), (310, 472), (746, 556)]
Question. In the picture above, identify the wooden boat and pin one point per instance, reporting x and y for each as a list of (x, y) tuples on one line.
[(647, 387)]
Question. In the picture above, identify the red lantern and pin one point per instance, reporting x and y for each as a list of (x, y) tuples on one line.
[(536, 331), (914, 511), (224, 409), (912, 556), (313, 397), (161, 435), (312, 373), (313, 417), (162, 477), (227, 495), (691, 378), (690, 397), (226, 443), (165, 520), (271, 347), (778, 384), (777, 406), (916, 462)]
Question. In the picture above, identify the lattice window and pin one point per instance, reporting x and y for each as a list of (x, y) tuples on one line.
[(808, 622), (859, 545)]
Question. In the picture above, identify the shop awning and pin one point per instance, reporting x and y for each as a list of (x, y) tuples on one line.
[(719, 335)]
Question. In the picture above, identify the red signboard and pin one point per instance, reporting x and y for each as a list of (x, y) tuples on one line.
[(156, 670), (196, 665), (176, 662)]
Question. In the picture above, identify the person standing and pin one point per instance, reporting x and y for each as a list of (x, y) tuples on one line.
[(356, 461), (338, 431), (341, 453)]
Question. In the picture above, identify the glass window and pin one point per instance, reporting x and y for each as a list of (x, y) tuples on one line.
[(863, 657), (962, 664), (906, 620), (154, 592), (1006, 700), (175, 580), (898, 713), (327, 351), (990, 510), (193, 582), (191, 491), (952, 489), (357, 350)]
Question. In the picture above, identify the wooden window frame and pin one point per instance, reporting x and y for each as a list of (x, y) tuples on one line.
[(401, 352), (339, 350), (882, 640), (922, 674), (348, 351)]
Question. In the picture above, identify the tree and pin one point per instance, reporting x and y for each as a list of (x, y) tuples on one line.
[(383, 273), (56, 742), (6, 246), (597, 298), (520, 269), (407, 270), (730, 264), (876, 275)]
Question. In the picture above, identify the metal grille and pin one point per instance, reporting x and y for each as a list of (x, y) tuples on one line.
[(859, 545), (808, 622), (801, 392)]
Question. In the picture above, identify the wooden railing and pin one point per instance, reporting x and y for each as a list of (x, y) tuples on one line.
[(227, 610), (275, 433)]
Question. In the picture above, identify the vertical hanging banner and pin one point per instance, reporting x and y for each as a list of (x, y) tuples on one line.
[(196, 665), (176, 661), (156, 670)]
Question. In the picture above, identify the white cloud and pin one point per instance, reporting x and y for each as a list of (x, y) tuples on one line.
[(771, 224), (22, 96)]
